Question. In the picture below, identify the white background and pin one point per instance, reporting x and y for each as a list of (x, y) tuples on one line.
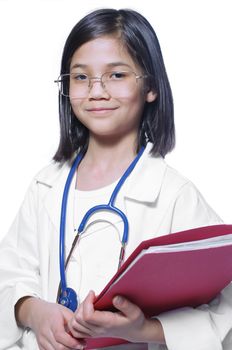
[(195, 37)]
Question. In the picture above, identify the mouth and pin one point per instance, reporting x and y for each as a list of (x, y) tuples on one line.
[(101, 110)]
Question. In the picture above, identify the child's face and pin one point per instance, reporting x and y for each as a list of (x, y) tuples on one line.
[(108, 113)]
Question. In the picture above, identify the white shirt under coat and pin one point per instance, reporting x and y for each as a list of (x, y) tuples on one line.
[(157, 200)]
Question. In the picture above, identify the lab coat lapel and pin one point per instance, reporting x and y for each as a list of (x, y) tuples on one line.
[(141, 192), (54, 181), (146, 180)]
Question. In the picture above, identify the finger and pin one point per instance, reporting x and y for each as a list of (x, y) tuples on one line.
[(127, 308), (80, 335), (88, 320), (47, 344), (60, 336), (68, 341), (88, 308), (79, 328), (46, 347), (84, 314), (79, 331), (46, 340), (79, 325)]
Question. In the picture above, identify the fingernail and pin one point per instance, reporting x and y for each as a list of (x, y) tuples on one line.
[(118, 300)]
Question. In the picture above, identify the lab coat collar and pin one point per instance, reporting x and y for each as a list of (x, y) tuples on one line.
[(143, 185), (51, 181), (145, 182)]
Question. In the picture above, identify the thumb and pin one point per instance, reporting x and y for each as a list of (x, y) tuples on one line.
[(90, 297), (125, 306)]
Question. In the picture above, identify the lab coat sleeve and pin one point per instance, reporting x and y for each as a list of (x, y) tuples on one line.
[(208, 327), (19, 268)]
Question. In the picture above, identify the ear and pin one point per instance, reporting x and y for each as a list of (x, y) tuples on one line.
[(151, 96)]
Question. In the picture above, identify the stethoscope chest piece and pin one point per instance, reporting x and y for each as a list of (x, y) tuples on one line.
[(69, 299)]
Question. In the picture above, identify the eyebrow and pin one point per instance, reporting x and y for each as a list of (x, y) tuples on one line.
[(110, 65)]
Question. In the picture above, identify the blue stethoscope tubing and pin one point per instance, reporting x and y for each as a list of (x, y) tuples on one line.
[(68, 296)]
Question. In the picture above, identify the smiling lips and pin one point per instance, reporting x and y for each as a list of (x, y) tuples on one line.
[(101, 109)]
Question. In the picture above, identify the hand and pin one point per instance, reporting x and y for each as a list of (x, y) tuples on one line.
[(49, 323), (129, 323)]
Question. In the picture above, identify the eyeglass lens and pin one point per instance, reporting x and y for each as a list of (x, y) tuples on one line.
[(117, 84)]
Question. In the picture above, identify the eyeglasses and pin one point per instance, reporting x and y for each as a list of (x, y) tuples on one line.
[(116, 83)]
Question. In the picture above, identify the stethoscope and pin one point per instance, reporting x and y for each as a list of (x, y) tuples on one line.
[(67, 296)]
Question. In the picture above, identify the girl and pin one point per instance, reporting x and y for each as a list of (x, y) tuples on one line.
[(115, 109)]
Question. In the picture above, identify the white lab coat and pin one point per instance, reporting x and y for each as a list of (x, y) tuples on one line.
[(157, 200)]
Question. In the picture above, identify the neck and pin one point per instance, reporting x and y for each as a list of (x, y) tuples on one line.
[(105, 162), (105, 151)]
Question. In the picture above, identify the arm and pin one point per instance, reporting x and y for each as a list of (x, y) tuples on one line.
[(19, 269), (207, 327), (20, 286)]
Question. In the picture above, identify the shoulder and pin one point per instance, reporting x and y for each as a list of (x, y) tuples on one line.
[(49, 173), (162, 186), (168, 178), (173, 184), (47, 178), (188, 206), (180, 189), (153, 177), (173, 178)]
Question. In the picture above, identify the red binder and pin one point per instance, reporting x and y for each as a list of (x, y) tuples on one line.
[(165, 280)]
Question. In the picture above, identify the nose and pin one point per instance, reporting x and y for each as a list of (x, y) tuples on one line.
[(97, 89)]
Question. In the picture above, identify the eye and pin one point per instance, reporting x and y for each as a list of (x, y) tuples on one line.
[(80, 76), (118, 75)]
